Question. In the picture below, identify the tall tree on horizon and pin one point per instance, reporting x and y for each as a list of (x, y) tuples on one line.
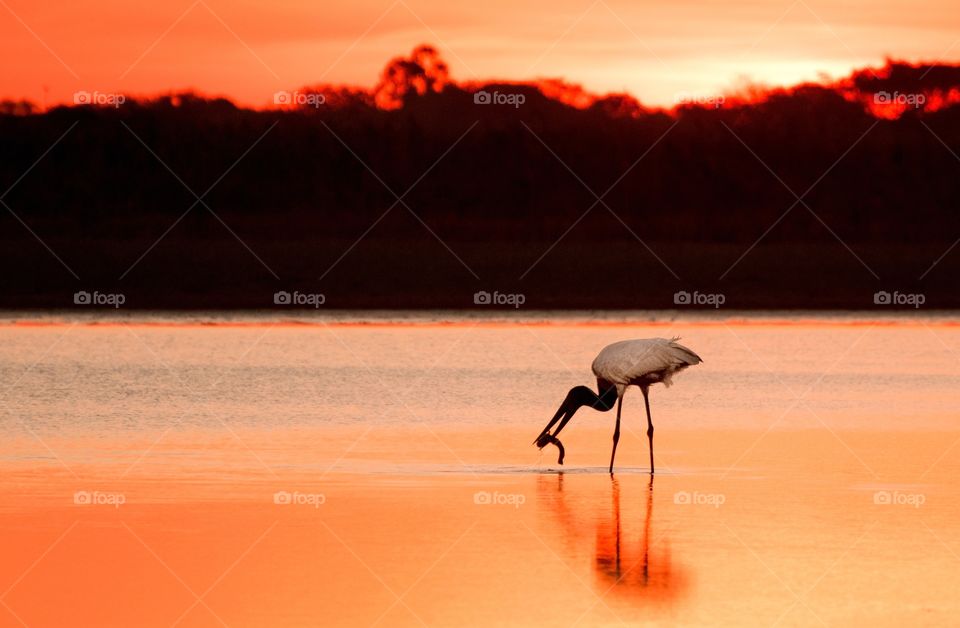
[(423, 72)]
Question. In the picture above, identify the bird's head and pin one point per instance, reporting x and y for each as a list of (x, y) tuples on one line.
[(546, 439)]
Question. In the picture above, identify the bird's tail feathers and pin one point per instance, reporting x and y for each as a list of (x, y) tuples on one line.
[(684, 353)]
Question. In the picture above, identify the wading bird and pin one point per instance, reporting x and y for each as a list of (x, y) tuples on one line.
[(626, 363)]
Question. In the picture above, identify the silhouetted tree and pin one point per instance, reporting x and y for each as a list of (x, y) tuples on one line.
[(422, 73)]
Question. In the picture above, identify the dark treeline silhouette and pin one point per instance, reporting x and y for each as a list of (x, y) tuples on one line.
[(494, 188)]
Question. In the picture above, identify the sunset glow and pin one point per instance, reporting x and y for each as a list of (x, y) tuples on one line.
[(299, 295), (654, 51)]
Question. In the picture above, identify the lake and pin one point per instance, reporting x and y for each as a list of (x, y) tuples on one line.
[(377, 469)]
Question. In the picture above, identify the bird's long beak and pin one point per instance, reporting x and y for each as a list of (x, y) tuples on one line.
[(543, 439)]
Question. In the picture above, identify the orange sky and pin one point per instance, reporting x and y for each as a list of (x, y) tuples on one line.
[(247, 50)]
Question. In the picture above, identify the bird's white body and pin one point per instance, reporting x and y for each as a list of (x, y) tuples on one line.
[(642, 362)]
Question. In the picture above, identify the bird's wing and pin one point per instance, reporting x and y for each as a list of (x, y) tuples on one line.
[(628, 360)]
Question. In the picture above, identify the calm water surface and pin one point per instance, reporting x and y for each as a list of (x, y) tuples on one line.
[(316, 470)]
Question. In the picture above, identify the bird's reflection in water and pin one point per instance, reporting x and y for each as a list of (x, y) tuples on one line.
[(632, 555)]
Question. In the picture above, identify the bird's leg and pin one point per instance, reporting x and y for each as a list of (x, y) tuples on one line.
[(616, 434), (646, 402)]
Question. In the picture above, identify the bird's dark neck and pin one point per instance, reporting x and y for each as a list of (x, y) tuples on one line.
[(578, 397), (583, 396)]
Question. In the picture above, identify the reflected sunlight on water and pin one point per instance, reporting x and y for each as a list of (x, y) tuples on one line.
[(325, 473)]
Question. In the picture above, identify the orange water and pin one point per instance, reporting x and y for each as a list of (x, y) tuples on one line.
[(806, 474)]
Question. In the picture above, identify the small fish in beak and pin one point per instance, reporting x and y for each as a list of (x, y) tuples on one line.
[(546, 439)]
